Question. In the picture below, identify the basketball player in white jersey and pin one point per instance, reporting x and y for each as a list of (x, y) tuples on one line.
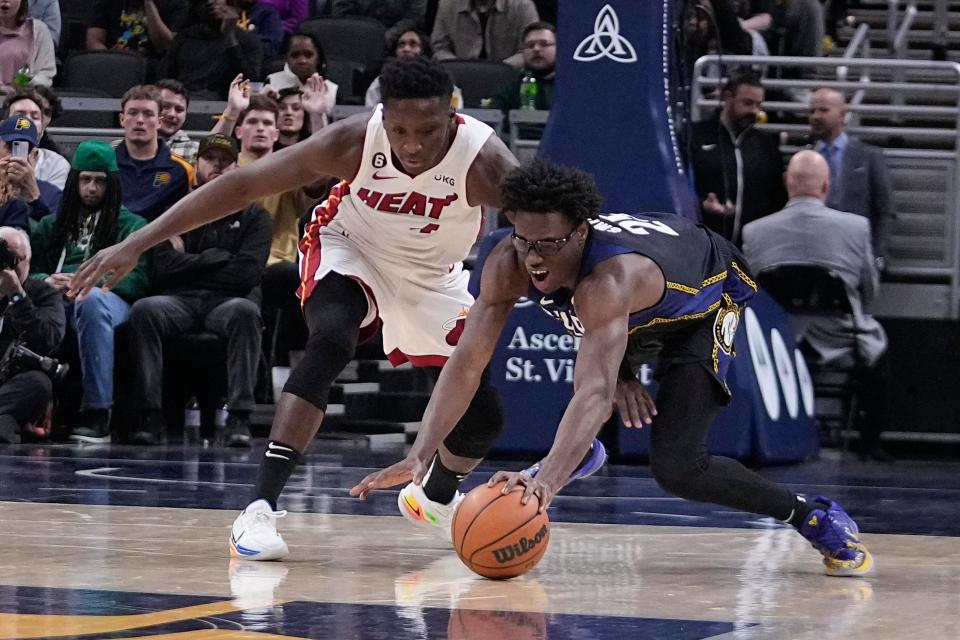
[(385, 247)]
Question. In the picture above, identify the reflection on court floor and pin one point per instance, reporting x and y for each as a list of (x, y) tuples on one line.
[(131, 543)]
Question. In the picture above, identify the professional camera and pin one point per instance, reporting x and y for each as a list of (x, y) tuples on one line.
[(8, 259), (18, 358)]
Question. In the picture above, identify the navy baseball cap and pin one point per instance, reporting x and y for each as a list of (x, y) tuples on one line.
[(19, 128)]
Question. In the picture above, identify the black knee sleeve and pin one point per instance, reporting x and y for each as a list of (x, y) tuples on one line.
[(480, 426), (333, 314)]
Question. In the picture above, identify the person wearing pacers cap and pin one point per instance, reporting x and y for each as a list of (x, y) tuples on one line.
[(21, 194), (90, 217), (209, 279)]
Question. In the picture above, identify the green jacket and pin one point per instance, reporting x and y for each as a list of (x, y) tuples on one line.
[(134, 285)]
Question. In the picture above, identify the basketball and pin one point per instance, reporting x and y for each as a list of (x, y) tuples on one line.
[(497, 536)]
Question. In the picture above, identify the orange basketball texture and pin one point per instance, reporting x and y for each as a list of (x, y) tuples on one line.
[(498, 537)]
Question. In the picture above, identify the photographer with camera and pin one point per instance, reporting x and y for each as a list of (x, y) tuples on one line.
[(20, 195), (32, 324)]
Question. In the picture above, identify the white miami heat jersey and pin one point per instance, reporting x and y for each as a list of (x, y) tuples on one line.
[(424, 219)]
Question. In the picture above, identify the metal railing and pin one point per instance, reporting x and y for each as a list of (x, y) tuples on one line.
[(925, 163), (860, 40), (899, 33)]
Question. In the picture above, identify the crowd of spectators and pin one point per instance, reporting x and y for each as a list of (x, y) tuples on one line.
[(237, 277)]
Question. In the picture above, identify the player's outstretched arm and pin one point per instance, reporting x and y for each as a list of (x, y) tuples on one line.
[(604, 303), (335, 151), (502, 284)]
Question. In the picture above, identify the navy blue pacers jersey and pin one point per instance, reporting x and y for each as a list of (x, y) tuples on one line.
[(707, 285)]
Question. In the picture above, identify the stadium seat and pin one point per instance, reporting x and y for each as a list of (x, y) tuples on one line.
[(112, 72), (358, 39), (805, 291), (350, 79), (479, 79)]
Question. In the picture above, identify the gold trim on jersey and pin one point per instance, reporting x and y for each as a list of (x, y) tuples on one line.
[(676, 286), (743, 275), (692, 316)]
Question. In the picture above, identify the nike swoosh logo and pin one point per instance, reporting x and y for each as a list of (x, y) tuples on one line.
[(546, 301), (267, 454), (417, 511), (376, 177), (274, 447)]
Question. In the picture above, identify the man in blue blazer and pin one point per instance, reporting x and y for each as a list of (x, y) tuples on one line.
[(859, 182)]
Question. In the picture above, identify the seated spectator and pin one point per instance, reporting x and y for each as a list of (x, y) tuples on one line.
[(292, 124), (48, 12), (292, 12), (211, 50), (27, 52), (22, 196), (258, 132), (305, 58), (209, 280), (409, 44), (704, 19), (396, 15), (152, 178), (540, 62), (791, 28), (49, 166), (482, 29), (262, 19), (32, 313), (809, 232), (293, 103), (174, 102), (145, 27), (50, 109), (90, 218), (737, 170)]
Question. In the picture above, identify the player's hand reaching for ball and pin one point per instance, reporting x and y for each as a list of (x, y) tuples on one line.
[(105, 269), (635, 404), (532, 487), (410, 468)]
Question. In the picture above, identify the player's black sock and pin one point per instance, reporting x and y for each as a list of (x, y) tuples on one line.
[(279, 461), (441, 484), (801, 511)]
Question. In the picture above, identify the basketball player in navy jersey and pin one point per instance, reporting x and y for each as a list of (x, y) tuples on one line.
[(385, 247), (631, 286)]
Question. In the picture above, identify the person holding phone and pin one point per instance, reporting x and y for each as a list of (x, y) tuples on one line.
[(20, 197)]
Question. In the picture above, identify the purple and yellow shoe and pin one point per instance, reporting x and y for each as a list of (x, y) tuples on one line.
[(592, 463), (835, 535)]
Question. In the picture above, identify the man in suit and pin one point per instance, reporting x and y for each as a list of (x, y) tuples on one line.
[(806, 231), (858, 172)]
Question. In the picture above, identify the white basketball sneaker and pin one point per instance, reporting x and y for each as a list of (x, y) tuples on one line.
[(254, 535), (416, 507)]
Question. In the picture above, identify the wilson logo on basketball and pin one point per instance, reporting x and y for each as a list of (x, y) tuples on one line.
[(521, 548)]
